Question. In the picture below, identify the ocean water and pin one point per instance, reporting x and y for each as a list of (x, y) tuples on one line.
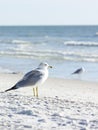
[(66, 48)]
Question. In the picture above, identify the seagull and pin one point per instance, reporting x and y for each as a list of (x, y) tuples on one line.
[(33, 78), (79, 71)]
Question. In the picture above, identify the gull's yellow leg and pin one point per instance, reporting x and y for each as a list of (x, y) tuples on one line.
[(36, 91), (33, 91)]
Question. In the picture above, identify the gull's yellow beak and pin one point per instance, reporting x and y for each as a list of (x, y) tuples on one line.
[(50, 67)]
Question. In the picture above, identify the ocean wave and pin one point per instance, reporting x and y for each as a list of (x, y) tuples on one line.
[(80, 56), (49, 41), (20, 42), (4, 41), (10, 41), (80, 43), (52, 55)]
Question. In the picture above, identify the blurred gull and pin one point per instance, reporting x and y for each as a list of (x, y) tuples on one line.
[(33, 78), (79, 71)]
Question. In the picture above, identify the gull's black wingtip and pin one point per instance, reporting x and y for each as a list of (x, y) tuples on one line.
[(14, 87)]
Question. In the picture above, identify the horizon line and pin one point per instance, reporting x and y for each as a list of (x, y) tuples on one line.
[(55, 25)]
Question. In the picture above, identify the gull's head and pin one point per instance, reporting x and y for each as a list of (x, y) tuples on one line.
[(44, 65)]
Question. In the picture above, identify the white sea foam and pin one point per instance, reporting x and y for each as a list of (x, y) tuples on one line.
[(20, 41), (81, 43), (25, 52)]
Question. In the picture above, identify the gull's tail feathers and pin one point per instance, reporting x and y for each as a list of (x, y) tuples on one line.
[(14, 87)]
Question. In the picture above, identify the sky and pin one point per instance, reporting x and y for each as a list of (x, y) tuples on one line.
[(48, 12)]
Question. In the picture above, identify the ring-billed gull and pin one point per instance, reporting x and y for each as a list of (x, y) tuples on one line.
[(79, 71), (33, 78)]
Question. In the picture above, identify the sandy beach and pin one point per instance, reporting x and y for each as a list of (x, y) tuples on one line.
[(62, 104)]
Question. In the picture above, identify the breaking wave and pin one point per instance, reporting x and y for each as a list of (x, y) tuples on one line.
[(52, 55), (80, 43), (45, 50)]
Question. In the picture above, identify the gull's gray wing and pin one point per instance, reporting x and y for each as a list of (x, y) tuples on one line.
[(30, 79), (77, 71), (28, 74)]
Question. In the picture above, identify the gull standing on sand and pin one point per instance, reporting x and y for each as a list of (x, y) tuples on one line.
[(33, 78), (79, 71)]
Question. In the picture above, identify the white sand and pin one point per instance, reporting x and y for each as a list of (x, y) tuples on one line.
[(62, 104)]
